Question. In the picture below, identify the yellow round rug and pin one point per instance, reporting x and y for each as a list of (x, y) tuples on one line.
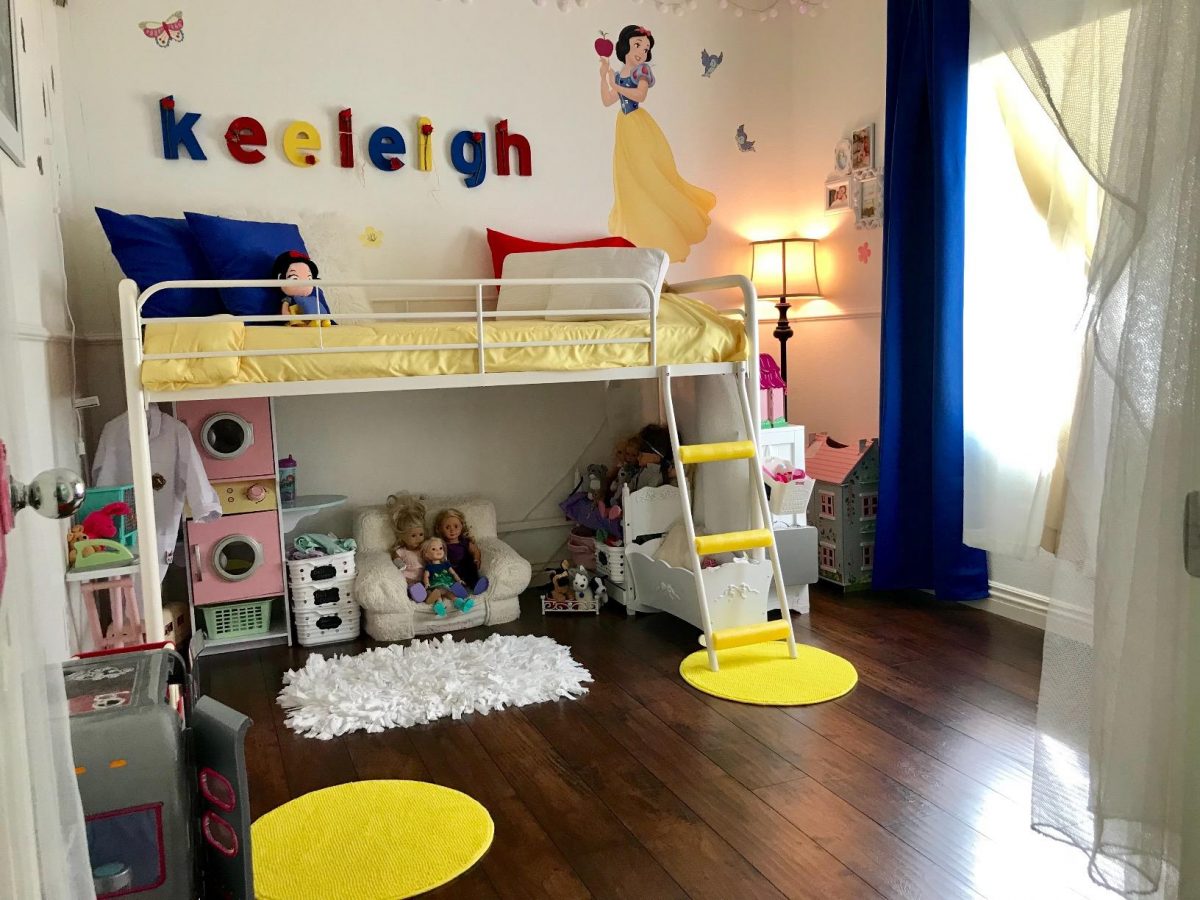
[(764, 674), (368, 840)]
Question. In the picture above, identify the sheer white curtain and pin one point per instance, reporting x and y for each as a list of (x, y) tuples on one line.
[(1030, 230), (1120, 82), (43, 846)]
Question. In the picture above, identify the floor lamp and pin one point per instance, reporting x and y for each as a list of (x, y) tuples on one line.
[(785, 268)]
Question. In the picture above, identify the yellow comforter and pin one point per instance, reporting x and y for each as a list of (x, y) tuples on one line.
[(689, 331)]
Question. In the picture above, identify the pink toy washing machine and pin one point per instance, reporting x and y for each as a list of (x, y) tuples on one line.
[(233, 436), (235, 558)]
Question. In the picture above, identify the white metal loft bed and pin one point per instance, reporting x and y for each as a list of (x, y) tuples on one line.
[(138, 396)]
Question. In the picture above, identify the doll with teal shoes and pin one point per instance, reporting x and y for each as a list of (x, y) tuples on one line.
[(439, 581)]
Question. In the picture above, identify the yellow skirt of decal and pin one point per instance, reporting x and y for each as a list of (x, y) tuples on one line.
[(652, 205), (765, 675), (368, 840)]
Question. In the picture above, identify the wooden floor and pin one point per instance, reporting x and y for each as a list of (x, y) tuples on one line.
[(916, 784)]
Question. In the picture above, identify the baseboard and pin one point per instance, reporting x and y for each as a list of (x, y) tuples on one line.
[(1014, 603)]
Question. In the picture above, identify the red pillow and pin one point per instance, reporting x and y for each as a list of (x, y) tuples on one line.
[(502, 244)]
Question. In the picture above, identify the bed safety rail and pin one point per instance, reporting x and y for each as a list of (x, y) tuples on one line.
[(479, 315)]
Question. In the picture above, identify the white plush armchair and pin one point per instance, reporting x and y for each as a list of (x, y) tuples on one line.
[(383, 593)]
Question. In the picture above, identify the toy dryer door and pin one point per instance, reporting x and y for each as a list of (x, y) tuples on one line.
[(219, 740), (233, 436), (235, 558)]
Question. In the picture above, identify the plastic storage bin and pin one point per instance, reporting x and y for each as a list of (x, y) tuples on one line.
[(317, 569), (236, 620), (582, 548), (327, 626), (322, 595), (610, 561)]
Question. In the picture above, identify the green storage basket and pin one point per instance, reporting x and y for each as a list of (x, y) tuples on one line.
[(237, 620)]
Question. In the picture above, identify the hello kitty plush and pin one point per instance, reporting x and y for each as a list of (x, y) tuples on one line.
[(309, 300)]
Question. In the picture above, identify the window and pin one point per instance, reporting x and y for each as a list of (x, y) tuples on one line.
[(828, 504), (869, 506), (868, 556), (827, 556)]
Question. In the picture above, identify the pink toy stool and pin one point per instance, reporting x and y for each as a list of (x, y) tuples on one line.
[(126, 629)]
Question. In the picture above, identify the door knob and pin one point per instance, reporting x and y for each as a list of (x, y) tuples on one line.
[(55, 493)]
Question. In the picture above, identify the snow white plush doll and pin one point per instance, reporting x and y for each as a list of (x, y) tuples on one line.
[(652, 205), (295, 265)]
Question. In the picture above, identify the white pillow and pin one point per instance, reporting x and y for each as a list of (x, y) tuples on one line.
[(646, 264), (526, 265)]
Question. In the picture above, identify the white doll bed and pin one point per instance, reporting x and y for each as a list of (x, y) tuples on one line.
[(738, 591)]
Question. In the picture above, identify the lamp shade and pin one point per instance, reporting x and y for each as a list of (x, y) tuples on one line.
[(785, 267)]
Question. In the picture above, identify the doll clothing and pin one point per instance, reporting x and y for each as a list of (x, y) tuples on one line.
[(460, 557), (410, 563)]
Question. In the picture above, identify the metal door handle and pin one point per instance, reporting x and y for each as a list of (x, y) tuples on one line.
[(199, 564), (55, 493)]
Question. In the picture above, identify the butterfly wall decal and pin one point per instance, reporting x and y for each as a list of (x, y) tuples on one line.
[(166, 31)]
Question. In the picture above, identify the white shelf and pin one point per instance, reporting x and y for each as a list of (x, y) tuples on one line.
[(79, 575), (306, 505), (277, 635)]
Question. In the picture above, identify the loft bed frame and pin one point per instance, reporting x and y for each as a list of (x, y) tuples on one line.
[(138, 397)]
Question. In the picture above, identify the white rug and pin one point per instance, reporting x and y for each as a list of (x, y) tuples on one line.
[(397, 686)]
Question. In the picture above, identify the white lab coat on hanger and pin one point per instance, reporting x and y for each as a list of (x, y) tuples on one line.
[(176, 465)]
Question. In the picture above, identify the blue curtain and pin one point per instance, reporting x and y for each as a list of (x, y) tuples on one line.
[(918, 541)]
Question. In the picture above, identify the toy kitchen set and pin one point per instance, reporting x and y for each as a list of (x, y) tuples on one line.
[(235, 563)]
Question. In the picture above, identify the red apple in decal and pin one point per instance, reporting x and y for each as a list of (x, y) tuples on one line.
[(604, 47)]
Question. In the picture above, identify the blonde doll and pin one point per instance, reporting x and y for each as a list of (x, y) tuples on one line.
[(408, 521), (439, 580), (461, 550)]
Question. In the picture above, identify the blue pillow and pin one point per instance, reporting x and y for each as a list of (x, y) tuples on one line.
[(242, 250), (150, 250)]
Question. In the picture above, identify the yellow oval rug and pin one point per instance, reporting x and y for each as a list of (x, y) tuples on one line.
[(368, 840), (764, 674)]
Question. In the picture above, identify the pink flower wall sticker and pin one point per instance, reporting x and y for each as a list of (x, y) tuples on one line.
[(864, 252)]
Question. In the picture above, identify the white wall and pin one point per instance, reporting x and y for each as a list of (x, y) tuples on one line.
[(32, 279), (838, 81)]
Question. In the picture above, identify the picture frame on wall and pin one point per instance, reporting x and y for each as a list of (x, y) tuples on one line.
[(841, 157), (867, 195), (837, 195), (862, 148), (10, 89)]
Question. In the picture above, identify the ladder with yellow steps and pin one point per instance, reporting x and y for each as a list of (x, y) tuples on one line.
[(759, 537)]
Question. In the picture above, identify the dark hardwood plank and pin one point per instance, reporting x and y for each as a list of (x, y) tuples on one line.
[(605, 856), (789, 858), (308, 764), (880, 858), (523, 861), (916, 784), (691, 852)]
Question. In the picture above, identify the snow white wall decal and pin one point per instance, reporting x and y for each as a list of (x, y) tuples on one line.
[(652, 205)]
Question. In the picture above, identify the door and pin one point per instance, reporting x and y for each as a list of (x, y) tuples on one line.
[(234, 436), (235, 558)]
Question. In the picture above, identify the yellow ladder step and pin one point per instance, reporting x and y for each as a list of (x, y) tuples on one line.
[(704, 453), (743, 635), (733, 540)]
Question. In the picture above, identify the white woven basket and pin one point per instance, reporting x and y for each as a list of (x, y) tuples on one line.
[(317, 569)]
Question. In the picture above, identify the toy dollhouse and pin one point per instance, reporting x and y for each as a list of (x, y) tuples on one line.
[(843, 506)]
